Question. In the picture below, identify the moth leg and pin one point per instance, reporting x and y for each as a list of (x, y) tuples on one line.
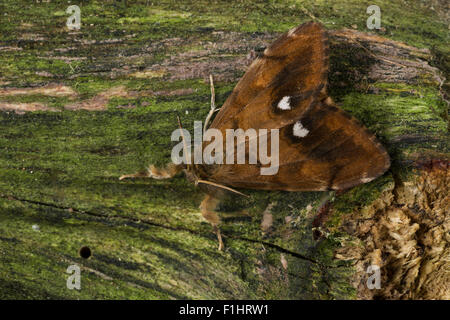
[(207, 207), (219, 237), (156, 173), (213, 104)]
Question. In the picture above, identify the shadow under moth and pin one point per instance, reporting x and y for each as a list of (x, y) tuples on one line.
[(321, 147)]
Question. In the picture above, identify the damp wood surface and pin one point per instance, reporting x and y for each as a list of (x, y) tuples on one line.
[(80, 108)]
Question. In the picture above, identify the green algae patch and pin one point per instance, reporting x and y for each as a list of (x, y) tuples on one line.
[(126, 261)]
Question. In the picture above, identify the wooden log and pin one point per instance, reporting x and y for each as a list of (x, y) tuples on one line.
[(109, 110)]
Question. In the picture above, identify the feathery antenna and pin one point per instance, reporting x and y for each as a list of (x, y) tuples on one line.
[(222, 186), (213, 104)]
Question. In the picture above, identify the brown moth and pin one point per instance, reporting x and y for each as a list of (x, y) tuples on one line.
[(320, 146)]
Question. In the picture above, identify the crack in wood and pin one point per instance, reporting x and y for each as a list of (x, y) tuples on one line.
[(154, 224)]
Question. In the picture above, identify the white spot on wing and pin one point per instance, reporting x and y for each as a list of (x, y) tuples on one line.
[(299, 130), (284, 103), (365, 178)]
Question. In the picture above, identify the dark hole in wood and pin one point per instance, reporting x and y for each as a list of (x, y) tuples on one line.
[(85, 252)]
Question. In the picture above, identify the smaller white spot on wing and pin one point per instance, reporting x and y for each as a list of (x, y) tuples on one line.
[(284, 103), (365, 180), (299, 130)]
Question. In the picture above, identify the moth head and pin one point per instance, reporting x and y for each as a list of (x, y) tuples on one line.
[(191, 176), (191, 171)]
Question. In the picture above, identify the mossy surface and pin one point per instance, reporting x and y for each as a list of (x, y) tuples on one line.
[(59, 170)]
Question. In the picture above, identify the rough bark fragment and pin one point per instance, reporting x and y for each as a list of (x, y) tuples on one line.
[(405, 233)]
